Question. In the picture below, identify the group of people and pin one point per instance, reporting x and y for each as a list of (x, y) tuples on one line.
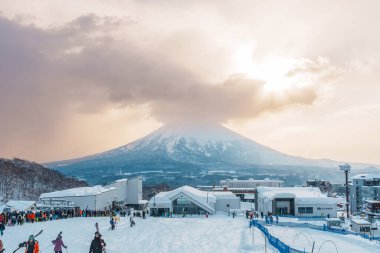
[(32, 246), (20, 217)]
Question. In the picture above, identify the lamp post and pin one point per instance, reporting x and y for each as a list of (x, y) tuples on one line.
[(346, 169)]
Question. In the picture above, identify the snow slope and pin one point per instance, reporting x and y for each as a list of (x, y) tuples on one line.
[(218, 233), (302, 238)]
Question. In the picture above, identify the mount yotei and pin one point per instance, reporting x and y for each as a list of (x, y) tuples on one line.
[(203, 153)]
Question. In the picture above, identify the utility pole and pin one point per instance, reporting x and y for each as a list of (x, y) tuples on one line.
[(346, 169)]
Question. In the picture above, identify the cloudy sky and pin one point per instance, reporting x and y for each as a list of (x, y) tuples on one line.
[(81, 77)]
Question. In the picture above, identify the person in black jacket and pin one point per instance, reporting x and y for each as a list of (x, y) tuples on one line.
[(97, 244)]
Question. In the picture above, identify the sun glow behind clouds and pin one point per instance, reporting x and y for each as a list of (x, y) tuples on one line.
[(274, 71)]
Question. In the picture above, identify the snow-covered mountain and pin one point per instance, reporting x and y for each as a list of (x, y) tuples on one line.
[(186, 146), (203, 142)]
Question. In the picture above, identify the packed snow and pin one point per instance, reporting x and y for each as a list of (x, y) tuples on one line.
[(218, 233)]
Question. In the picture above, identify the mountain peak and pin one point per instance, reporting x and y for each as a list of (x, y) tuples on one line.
[(200, 131)]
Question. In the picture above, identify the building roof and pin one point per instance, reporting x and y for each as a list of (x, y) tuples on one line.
[(367, 176), (77, 192), (361, 222), (303, 195), (252, 180), (202, 198), (20, 205), (223, 195)]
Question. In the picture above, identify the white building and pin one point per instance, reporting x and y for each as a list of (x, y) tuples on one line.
[(124, 191), (189, 200), (93, 198), (295, 201), (360, 226), (18, 205), (250, 183), (129, 190)]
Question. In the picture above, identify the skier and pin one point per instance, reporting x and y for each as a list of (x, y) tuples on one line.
[(143, 214), (1, 247), (97, 244), (131, 222), (112, 222), (58, 244), (2, 228), (276, 219), (31, 245)]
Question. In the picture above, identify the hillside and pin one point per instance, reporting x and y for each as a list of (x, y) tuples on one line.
[(24, 180)]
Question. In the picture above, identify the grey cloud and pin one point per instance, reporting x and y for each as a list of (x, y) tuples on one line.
[(49, 73)]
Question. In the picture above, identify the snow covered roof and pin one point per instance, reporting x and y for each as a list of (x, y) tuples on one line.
[(303, 195), (203, 198), (78, 192), (223, 195), (366, 176), (122, 180), (249, 196), (361, 222), (20, 205)]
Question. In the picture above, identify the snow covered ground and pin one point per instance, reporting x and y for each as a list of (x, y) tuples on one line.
[(302, 238), (218, 233)]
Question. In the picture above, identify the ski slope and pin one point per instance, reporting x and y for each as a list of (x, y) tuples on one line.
[(218, 233)]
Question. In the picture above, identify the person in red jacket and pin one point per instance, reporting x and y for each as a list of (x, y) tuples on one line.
[(31, 246)]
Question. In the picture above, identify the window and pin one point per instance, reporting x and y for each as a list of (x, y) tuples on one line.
[(305, 210)]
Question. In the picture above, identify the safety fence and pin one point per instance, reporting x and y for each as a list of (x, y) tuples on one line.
[(341, 231), (274, 241)]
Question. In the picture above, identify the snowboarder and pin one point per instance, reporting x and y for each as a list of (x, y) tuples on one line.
[(97, 245), (31, 246), (1, 246), (2, 228), (58, 244)]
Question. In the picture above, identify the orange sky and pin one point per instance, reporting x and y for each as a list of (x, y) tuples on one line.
[(81, 77)]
